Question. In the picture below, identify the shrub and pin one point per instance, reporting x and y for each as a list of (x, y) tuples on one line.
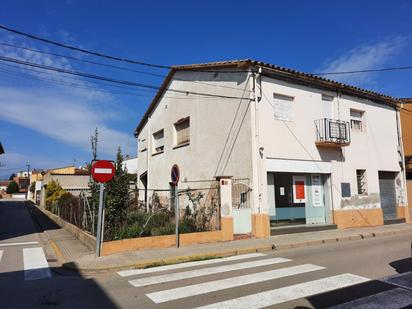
[(53, 193), (13, 187)]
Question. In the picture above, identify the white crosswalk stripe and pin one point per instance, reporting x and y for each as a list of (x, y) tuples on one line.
[(212, 286), (204, 272), (293, 292), (393, 298), (132, 272), (35, 264)]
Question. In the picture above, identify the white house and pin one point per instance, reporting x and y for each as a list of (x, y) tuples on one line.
[(312, 150)]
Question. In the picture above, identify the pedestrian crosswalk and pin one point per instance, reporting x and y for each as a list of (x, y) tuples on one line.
[(167, 283), (34, 262)]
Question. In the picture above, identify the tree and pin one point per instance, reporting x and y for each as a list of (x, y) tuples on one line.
[(12, 187), (53, 193), (32, 187), (12, 176)]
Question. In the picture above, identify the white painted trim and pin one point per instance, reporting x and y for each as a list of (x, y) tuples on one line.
[(35, 264), (27, 243), (103, 171), (132, 272), (298, 166), (1, 254), (218, 285), (204, 272), (289, 293)]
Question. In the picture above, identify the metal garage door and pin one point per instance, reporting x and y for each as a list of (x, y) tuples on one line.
[(387, 194)]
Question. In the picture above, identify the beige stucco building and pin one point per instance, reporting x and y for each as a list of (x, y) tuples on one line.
[(313, 151)]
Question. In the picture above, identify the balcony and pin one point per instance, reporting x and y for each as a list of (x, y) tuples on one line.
[(332, 133)]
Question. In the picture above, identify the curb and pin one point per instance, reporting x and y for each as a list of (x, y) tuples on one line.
[(224, 253)]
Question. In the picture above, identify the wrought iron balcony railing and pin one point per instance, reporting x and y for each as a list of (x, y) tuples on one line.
[(332, 133)]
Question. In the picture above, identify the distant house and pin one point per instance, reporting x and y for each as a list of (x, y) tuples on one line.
[(70, 178), (3, 185), (131, 165), (313, 151)]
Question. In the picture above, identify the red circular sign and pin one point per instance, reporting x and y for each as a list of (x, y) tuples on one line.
[(102, 170), (175, 174)]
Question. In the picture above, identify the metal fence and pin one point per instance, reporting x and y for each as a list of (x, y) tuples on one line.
[(241, 193)]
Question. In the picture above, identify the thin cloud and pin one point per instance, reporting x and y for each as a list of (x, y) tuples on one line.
[(62, 117), (364, 57)]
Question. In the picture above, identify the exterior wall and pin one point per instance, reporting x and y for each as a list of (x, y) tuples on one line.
[(71, 183), (406, 122), (374, 149), (210, 123), (408, 210), (130, 165)]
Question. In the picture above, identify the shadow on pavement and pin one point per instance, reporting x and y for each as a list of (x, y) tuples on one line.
[(16, 220), (355, 293), (65, 289), (402, 266)]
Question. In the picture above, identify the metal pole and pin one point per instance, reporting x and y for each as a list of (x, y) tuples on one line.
[(176, 215), (99, 221), (28, 184)]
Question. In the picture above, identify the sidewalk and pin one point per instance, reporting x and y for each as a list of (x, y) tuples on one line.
[(73, 254)]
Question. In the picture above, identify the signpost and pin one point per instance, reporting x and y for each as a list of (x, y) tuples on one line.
[(102, 172), (175, 176)]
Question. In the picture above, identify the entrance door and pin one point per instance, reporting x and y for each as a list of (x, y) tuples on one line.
[(241, 210), (387, 194), (315, 207)]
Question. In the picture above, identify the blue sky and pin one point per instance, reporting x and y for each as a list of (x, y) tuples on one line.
[(49, 124)]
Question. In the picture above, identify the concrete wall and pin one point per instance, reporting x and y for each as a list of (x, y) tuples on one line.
[(210, 123), (374, 149)]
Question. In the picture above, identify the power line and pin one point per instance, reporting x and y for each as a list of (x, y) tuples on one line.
[(117, 58), (365, 71), (105, 64), (98, 54), (108, 79), (80, 60)]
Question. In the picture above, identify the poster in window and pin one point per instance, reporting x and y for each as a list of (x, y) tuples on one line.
[(299, 189), (317, 191)]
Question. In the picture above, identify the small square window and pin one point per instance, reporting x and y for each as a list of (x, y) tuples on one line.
[(361, 181), (158, 141), (182, 132), (356, 120)]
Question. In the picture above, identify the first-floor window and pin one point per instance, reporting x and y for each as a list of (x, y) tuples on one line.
[(182, 131), (158, 141)]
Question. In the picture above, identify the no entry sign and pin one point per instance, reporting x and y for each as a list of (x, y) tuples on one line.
[(102, 170)]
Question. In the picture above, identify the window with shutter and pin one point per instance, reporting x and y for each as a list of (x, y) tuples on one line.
[(356, 119), (282, 107), (182, 131), (158, 141)]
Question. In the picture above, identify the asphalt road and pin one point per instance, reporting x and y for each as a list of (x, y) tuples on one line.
[(372, 273)]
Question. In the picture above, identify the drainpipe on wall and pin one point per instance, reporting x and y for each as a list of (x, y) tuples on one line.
[(402, 154), (148, 154), (256, 160)]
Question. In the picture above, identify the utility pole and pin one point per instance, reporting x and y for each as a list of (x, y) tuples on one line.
[(28, 183)]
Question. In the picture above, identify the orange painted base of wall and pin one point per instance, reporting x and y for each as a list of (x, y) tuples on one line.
[(261, 225), (358, 218), (400, 212), (133, 244)]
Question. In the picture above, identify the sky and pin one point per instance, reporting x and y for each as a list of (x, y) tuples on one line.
[(47, 119)]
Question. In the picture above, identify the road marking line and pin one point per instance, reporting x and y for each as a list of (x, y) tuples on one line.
[(213, 286), (274, 297), (391, 299), (131, 272), (1, 254), (203, 272), (35, 264), (27, 243)]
